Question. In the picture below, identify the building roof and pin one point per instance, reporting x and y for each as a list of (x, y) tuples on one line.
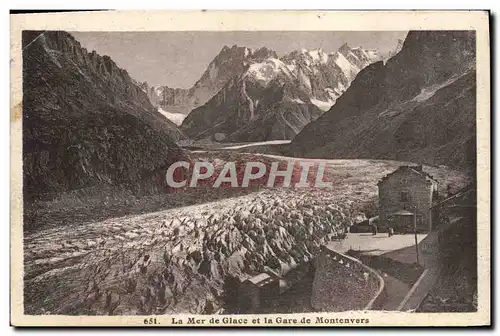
[(366, 222), (259, 278), (262, 279), (403, 213), (414, 169)]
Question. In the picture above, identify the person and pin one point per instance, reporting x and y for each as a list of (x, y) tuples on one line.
[(375, 229), (391, 232)]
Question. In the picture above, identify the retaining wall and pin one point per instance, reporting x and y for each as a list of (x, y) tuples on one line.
[(344, 283)]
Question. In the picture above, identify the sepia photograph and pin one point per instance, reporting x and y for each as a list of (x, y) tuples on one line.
[(269, 175)]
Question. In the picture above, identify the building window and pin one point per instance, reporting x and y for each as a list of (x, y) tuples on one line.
[(435, 195), (404, 196)]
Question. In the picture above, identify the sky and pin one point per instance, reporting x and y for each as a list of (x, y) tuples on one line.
[(178, 59)]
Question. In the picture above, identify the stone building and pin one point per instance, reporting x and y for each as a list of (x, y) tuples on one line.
[(258, 292), (405, 192)]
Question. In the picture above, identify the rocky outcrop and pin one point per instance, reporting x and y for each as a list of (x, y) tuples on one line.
[(85, 121), (419, 106), (274, 99)]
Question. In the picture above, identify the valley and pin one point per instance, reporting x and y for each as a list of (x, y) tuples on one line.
[(178, 260), (105, 233)]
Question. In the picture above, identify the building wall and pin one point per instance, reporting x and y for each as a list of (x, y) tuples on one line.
[(419, 191), (269, 293), (253, 297), (249, 300)]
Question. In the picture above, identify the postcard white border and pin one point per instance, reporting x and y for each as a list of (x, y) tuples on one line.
[(271, 21)]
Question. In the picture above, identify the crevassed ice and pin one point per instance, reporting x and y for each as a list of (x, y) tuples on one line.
[(266, 71), (176, 118), (322, 105), (347, 67), (318, 56)]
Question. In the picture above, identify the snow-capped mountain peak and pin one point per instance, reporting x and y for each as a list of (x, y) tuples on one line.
[(228, 63), (316, 55), (261, 66), (267, 70), (291, 90)]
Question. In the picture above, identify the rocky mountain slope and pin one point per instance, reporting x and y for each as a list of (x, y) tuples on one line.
[(228, 63), (276, 98), (85, 121), (399, 46), (419, 106)]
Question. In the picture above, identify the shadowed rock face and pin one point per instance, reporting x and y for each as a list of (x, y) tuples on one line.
[(419, 106), (85, 121), (274, 99), (232, 112)]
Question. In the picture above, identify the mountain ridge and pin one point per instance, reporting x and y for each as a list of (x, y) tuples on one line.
[(85, 120), (431, 81), (275, 98), (230, 62)]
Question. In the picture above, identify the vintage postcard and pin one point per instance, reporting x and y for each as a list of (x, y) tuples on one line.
[(250, 168)]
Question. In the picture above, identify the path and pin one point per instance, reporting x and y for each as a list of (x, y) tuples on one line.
[(429, 253), (396, 292), (397, 247), (427, 250)]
